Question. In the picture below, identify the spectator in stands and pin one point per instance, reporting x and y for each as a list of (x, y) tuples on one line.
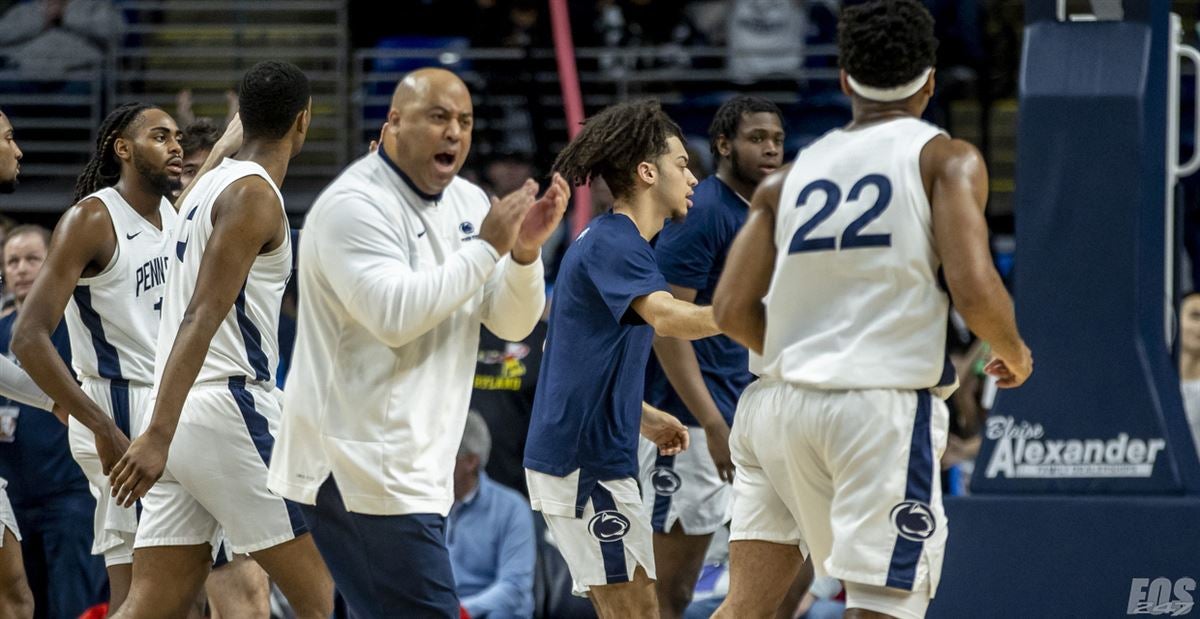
[(489, 534), (506, 173), (765, 37), (506, 376), (49, 492), (52, 38), (1189, 360)]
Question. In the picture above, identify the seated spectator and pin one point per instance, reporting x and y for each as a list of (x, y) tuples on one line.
[(506, 377), (489, 534), (49, 492), (1189, 360), (51, 38), (766, 37)]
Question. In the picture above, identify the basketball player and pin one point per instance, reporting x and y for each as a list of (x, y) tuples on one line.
[(237, 586), (214, 406), (581, 457), (400, 262), (689, 494), (108, 276), (106, 266), (840, 437), (16, 600)]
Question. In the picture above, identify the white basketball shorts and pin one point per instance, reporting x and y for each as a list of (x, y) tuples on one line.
[(216, 475), (856, 471), (684, 488), (603, 536)]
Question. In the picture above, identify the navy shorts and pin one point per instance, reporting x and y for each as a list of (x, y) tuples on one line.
[(384, 566)]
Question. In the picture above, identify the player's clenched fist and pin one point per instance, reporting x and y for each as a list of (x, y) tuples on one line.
[(1011, 370), (664, 430), (503, 221)]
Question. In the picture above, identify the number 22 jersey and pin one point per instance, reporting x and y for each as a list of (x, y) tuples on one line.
[(855, 302)]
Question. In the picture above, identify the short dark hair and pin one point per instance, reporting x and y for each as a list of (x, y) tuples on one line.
[(729, 118), (886, 43), (270, 96), (200, 135), (613, 143)]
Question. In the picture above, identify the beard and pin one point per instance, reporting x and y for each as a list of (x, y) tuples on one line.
[(158, 179), (8, 186), (752, 178)]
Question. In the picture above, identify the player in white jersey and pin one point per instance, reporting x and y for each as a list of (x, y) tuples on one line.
[(215, 406), (106, 266), (834, 281)]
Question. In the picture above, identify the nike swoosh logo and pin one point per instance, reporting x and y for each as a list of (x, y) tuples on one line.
[(422, 233), (131, 236)]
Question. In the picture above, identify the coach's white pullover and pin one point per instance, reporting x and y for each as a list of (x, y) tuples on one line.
[(393, 287)]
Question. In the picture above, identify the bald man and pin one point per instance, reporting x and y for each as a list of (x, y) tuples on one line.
[(400, 262)]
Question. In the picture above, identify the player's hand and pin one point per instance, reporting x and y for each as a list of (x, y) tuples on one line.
[(231, 141), (503, 221), (139, 468), (1010, 370), (542, 219), (664, 430), (111, 444), (717, 437)]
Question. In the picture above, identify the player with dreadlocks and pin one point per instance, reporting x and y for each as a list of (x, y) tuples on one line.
[(834, 281), (105, 268), (581, 457)]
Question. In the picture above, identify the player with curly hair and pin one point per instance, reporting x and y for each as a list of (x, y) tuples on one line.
[(610, 299)]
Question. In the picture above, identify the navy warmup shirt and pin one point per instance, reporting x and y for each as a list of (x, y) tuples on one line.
[(692, 255), (588, 406)]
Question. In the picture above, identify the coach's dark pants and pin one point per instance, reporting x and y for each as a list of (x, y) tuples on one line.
[(384, 566)]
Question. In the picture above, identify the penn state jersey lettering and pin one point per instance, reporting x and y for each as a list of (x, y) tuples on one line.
[(112, 318), (246, 343), (151, 275), (854, 302)]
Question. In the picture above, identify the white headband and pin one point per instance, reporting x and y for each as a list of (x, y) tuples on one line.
[(897, 93)]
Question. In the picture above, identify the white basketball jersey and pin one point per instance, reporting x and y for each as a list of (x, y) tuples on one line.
[(855, 302), (112, 318), (246, 344)]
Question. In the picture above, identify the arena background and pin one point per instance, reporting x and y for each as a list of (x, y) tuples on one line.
[(1078, 188)]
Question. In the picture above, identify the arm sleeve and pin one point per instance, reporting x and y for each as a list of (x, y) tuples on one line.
[(687, 251), (367, 264), (622, 272), (514, 298), (15, 384), (511, 595)]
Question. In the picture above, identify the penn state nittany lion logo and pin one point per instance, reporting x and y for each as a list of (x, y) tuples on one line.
[(665, 481), (467, 227), (914, 521), (608, 526)]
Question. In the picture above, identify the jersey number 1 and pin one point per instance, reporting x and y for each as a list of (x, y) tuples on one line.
[(851, 237)]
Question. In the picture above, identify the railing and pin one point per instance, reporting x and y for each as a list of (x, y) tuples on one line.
[(56, 117), (206, 46)]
